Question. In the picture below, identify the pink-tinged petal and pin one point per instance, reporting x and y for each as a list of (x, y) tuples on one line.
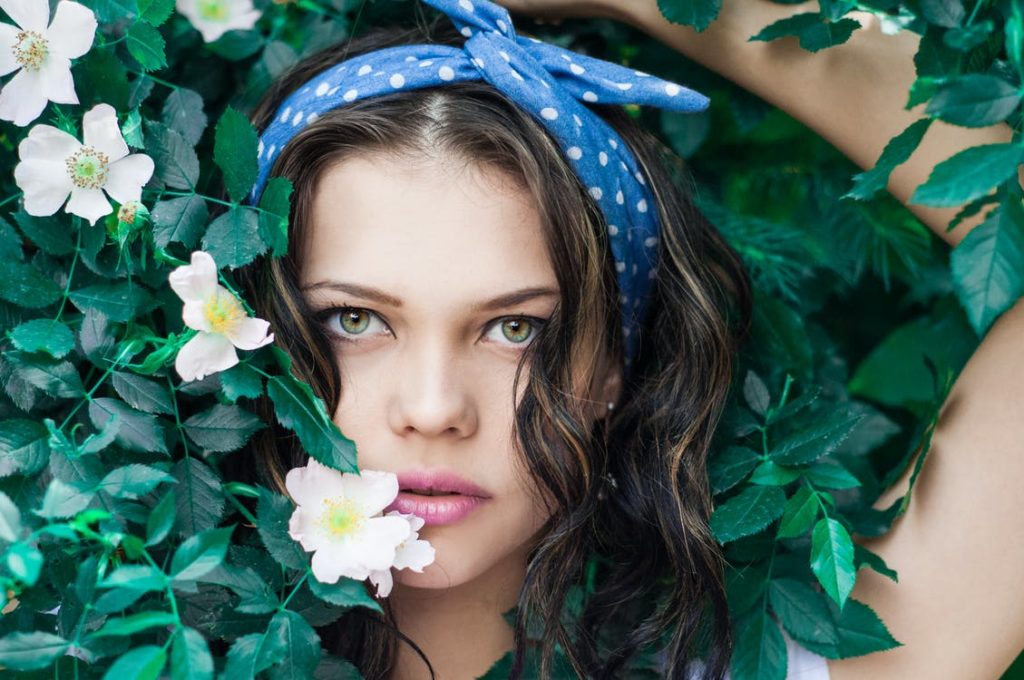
[(205, 354), (46, 185), (333, 561), (378, 538), (47, 143), (126, 177), (414, 555), (373, 490), (302, 527), (309, 486), (8, 38), (196, 282), (88, 203), (194, 317), (23, 98), (56, 76), (32, 15), (383, 580), (72, 30), (250, 333), (100, 131)]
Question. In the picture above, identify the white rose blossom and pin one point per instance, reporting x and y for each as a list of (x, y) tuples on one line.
[(54, 164), (218, 315), (339, 518), (413, 553), (214, 18), (42, 55)]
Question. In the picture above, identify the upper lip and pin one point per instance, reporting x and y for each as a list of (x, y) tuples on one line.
[(439, 480)]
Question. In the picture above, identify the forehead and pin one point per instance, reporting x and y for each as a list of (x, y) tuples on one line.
[(425, 224)]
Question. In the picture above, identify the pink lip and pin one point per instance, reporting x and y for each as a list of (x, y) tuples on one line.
[(460, 496)]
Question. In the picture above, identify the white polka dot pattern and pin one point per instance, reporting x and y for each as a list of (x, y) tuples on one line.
[(552, 84)]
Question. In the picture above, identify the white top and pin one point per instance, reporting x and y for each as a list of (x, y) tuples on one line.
[(802, 664)]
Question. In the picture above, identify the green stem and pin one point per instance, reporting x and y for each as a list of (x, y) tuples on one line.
[(177, 416), (71, 273), (298, 585), (12, 197), (165, 83), (239, 506), (88, 396)]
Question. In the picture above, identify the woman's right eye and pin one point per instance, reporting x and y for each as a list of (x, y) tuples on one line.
[(351, 322)]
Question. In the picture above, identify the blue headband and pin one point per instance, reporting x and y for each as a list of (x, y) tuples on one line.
[(547, 81)]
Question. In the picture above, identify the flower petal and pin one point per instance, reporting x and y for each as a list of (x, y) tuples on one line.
[(47, 143), (126, 177), (205, 354), (46, 185), (373, 490), (310, 485), (194, 317), (383, 580), (100, 131), (32, 15), (243, 19), (334, 561), (8, 38), (23, 98), (196, 282), (88, 203), (302, 528), (414, 555), (57, 81), (250, 333), (377, 540), (76, 26)]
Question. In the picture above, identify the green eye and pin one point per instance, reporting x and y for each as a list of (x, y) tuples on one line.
[(517, 330), (355, 321)]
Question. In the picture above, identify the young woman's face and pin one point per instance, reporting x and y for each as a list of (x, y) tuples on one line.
[(432, 279)]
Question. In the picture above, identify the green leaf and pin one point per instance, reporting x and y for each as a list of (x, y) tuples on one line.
[(181, 219), (155, 12), (10, 519), (107, 78), (200, 553), (183, 111), (756, 393), (1014, 43), (750, 511), (275, 201), (121, 301), (30, 651), (190, 656), (48, 233), (896, 152), (345, 593), (147, 45), (24, 562), (233, 238), (236, 45), (295, 642), (815, 441), (802, 611), (945, 13), (975, 100), (831, 476), (298, 409), (138, 432), (161, 519), (272, 514), (860, 630), (760, 651), (64, 500), (814, 31), (110, 11), (222, 428), (142, 394), (23, 447), (254, 591), (696, 13), (863, 557), (770, 473), (832, 559), (234, 151), (988, 265), (729, 467), (23, 285), (138, 577), (199, 501), (58, 379), (44, 335), (968, 175), (241, 380), (132, 481), (129, 625), (141, 663), (248, 656), (176, 162)]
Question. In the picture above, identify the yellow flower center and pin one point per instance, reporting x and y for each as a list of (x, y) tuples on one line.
[(223, 312), (340, 517), (30, 50), (213, 10), (87, 168)]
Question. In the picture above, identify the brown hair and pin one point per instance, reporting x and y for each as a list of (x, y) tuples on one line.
[(651, 532)]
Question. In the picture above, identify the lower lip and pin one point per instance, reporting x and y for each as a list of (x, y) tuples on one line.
[(434, 510)]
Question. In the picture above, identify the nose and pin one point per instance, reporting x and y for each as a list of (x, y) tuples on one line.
[(431, 397)]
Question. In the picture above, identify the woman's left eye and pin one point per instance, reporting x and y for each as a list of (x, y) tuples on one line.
[(517, 331), (352, 321)]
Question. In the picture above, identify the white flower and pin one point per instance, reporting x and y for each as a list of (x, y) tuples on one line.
[(214, 18), (43, 53), (338, 516), (55, 164), (413, 553), (218, 315)]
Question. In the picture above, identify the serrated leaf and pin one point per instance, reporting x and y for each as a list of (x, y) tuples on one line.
[(696, 13), (135, 623), (190, 656), (23, 447), (760, 651), (968, 175), (860, 630), (138, 431), (222, 428), (298, 409), (176, 162), (728, 468), (975, 100), (234, 151), (770, 473), (139, 577), (147, 46), (120, 301), (802, 611), (295, 643), (48, 233), (199, 500), (199, 554), (44, 335), (241, 380), (161, 519), (946, 13), (811, 443), (141, 663), (345, 593), (132, 481), (141, 393), (831, 476), (23, 285), (180, 220), (10, 519), (275, 202), (799, 514), (256, 595), (64, 500), (183, 111), (56, 378), (24, 562), (863, 557), (750, 511), (896, 151), (272, 514), (756, 393), (233, 238), (832, 559), (155, 12), (29, 651)]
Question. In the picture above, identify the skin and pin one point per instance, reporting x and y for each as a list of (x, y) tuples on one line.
[(958, 608), (428, 383)]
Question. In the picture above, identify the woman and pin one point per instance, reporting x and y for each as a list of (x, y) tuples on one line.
[(450, 293)]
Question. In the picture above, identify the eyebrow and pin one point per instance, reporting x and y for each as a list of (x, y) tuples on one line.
[(377, 295)]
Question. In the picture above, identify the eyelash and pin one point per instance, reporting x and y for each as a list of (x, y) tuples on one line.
[(322, 317)]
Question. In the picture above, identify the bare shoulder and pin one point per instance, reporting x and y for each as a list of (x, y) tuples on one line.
[(959, 549)]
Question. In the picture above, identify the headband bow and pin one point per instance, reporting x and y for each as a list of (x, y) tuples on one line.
[(549, 82)]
